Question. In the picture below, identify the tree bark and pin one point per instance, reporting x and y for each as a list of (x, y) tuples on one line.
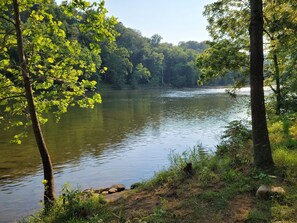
[(49, 192), (262, 150), (277, 82)]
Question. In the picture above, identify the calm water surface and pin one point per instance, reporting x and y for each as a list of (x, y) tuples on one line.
[(124, 140)]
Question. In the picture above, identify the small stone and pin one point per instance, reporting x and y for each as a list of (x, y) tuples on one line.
[(266, 192), (135, 185), (119, 187), (277, 190), (105, 192), (100, 190), (112, 190), (88, 191), (188, 169)]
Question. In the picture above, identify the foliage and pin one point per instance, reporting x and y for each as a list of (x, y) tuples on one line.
[(228, 52), (74, 206), (140, 75), (167, 64), (286, 160), (236, 143), (221, 58), (119, 66), (283, 130), (59, 67)]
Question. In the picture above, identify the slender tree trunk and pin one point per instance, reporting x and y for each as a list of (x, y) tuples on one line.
[(262, 149), (277, 82), (162, 76), (49, 192)]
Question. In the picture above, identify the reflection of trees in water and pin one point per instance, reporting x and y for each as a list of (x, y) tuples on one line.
[(89, 132)]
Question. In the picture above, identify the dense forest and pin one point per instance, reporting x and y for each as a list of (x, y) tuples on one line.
[(131, 60), (139, 61)]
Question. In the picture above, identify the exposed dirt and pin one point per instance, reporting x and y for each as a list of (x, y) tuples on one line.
[(180, 203), (240, 208)]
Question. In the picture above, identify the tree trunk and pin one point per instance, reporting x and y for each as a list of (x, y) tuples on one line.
[(262, 149), (49, 194), (277, 82)]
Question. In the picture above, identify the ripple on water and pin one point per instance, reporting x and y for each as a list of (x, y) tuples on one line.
[(124, 140)]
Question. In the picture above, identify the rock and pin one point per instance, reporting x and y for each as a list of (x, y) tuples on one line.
[(88, 191), (135, 185), (112, 190), (100, 190), (266, 192), (272, 177), (119, 187), (116, 196), (105, 192), (188, 169)]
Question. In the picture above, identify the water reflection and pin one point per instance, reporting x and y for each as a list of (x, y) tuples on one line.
[(123, 140)]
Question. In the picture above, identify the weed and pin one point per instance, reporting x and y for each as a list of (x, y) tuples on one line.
[(74, 206), (256, 216), (236, 144)]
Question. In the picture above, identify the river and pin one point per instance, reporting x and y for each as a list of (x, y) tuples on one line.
[(125, 139)]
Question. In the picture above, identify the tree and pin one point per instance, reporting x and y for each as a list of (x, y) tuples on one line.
[(221, 58), (140, 75), (228, 21), (229, 53), (153, 61), (49, 194), (118, 63), (155, 40), (48, 74), (262, 150)]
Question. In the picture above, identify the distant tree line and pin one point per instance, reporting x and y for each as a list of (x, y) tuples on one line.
[(137, 61)]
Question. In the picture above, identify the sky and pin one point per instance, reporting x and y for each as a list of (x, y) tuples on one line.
[(174, 20)]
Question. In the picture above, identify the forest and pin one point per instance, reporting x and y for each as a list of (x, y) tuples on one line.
[(131, 60)]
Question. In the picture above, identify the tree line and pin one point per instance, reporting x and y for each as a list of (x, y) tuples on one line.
[(139, 61)]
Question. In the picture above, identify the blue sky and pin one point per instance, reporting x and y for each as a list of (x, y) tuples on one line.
[(174, 20)]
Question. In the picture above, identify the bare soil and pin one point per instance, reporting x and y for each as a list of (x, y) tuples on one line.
[(179, 203)]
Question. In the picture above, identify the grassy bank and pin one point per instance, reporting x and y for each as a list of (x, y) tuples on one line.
[(215, 188)]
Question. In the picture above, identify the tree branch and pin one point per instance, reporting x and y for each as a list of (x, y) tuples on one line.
[(274, 90), (269, 35), (7, 19), (12, 96)]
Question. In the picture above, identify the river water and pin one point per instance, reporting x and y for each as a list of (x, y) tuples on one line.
[(125, 139)]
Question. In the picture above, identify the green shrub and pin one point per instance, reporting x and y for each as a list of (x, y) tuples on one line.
[(286, 160), (74, 206), (236, 144)]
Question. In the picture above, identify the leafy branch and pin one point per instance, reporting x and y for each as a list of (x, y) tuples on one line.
[(12, 96)]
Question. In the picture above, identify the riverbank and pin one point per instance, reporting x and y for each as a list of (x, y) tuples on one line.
[(214, 188), (126, 139)]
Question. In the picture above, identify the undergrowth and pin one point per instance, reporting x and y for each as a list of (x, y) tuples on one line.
[(74, 206)]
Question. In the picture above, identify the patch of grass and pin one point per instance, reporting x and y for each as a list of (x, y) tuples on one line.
[(286, 160), (256, 216), (74, 206), (175, 173), (261, 212)]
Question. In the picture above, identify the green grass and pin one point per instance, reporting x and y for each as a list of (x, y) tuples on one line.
[(74, 206)]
